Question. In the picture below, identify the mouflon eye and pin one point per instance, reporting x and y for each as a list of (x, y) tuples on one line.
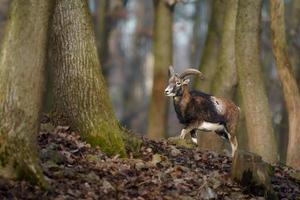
[(178, 83)]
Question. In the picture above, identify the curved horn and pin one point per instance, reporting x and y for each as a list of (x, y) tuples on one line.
[(191, 71), (171, 71)]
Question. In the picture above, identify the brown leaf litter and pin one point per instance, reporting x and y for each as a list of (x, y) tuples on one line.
[(75, 170)]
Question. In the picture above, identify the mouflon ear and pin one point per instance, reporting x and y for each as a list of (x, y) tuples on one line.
[(171, 71), (186, 81)]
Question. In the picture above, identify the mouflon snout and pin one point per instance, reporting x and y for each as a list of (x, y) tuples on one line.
[(169, 90)]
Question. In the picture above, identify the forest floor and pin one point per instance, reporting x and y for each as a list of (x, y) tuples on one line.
[(75, 170)]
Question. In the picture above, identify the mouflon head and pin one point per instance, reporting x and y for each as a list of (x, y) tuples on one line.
[(176, 81)]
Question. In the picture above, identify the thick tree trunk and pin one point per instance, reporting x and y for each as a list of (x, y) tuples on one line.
[(80, 94), (261, 137), (209, 59), (21, 87), (289, 84), (293, 33), (241, 132), (162, 48), (102, 30), (225, 78), (4, 4)]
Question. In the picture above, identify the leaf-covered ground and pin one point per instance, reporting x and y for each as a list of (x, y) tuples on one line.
[(163, 171)]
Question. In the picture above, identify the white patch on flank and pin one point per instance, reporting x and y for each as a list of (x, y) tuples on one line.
[(207, 126), (194, 140), (219, 105)]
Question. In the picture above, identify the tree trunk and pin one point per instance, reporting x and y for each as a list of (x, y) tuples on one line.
[(209, 59), (134, 92), (289, 84), (102, 30), (241, 132), (258, 118), (293, 30), (21, 87), (162, 48), (80, 93), (225, 78), (4, 4)]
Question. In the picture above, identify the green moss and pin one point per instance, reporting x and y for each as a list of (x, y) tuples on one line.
[(105, 146), (11, 166), (270, 169), (3, 158), (108, 137), (132, 142), (25, 173), (181, 142)]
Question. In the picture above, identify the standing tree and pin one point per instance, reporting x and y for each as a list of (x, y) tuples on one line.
[(261, 138), (289, 83), (102, 29), (209, 59), (163, 41), (224, 80), (4, 4), (293, 33), (134, 92), (79, 90), (21, 87)]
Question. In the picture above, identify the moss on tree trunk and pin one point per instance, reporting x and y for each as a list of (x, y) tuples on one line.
[(21, 87), (157, 125), (289, 83), (79, 89), (261, 138)]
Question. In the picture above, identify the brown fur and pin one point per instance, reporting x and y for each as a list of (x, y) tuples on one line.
[(193, 108)]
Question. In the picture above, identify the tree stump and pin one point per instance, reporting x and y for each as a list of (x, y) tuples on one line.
[(252, 172)]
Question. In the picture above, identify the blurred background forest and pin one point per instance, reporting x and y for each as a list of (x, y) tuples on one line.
[(125, 32), (82, 80)]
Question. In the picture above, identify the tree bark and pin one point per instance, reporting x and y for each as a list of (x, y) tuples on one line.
[(293, 30), (258, 118), (225, 78), (22, 58), (209, 59), (102, 30), (4, 4), (79, 89), (163, 40), (289, 83)]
